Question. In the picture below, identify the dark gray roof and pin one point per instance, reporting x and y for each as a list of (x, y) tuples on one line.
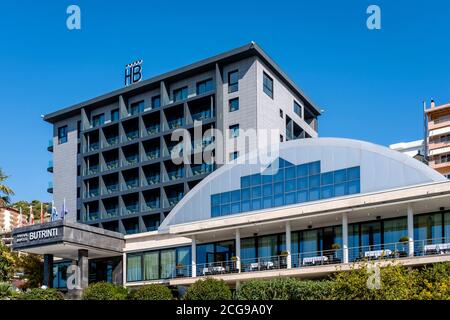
[(248, 50)]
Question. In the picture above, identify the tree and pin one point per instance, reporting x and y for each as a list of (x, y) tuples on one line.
[(5, 191), (208, 289), (7, 263), (36, 208), (33, 269)]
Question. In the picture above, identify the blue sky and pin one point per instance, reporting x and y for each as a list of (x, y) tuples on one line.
[(371, 84)]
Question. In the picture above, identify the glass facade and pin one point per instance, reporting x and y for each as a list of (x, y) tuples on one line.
[(290, 184), (60, 274)]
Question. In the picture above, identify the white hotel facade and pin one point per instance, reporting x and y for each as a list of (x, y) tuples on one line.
[(321, 203)]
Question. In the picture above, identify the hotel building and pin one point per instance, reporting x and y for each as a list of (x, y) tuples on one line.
[(318, 204)]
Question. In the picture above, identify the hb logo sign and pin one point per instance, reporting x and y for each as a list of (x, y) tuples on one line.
[(133, 72)]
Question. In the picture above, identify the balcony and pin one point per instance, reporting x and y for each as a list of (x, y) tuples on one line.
[(50, 145), (111, 212), (94, 169), (93, 192), (153, 129), (50, 187), (175, 174), (132, 184), (112, 141), (93, 146), (154, 179), (92, 215), (202, 169), (175, 124), (130, 209), (151, 205), (202, 115), (131, 160), (153, 154), (111, 165), (111, 188), (132, 135), (50, 166), (175, 199)]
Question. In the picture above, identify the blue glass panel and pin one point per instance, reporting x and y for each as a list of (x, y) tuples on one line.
[(267, 202), (290, 172), (340, 176), (302, 196), (290, 198), (327, 178), (225, 209), (215, 199), (279, 176), (314, 168), (245, 181), (256, 179), (245, 206), (235, 195), (225, 197), (256, 192), (353, 187), (340, 190), (266, 178), (314, 181), (278, 188), (289, 185), (302, 183), (314, 194), (278, 200), (327, 192), (353, 173), (245, 194), (235, 207), (302, 170), (256, 204), (215, 211), (267, 190)]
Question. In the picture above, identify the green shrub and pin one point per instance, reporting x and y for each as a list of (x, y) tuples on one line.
[(208, 289), (284, 289), (105, 291), (40, 294), (151, 292), (6, 290)]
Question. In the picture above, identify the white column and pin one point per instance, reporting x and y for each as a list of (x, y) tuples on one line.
[(238, 250), (288, 244), (345, 237), (410, 218), (194, 257)]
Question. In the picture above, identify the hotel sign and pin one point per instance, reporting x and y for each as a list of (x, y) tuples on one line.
[(32, 237)]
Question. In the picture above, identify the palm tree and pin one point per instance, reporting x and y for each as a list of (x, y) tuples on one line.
[(5, 191)]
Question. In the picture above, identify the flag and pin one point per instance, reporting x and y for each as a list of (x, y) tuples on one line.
[(63, 210), (42, 213), (31, 215), (54, 215)]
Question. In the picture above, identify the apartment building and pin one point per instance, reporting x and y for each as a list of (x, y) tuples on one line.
[(438, 137), (112, 154), (9, 219)]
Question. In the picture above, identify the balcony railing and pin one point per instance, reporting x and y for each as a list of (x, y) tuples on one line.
[(131, 184), (93, 193), (93, 146), (111, 188), (93, 169), (130, 209), (50, 187), (151, 205), (112, 141), (202, 169), (50, 166), (131, 160), (175, 175), (132, 135), (202, 115), (176, 123), (174, 200), (153, 129), (50, 145), (389, 251), (111, 212), (113, 164), (153, 154), (153, 179), (93, 215)]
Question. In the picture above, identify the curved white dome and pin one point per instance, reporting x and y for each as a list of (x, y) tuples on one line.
[(380, 169)]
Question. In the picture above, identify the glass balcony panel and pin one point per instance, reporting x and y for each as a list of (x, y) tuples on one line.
[(153, 179), (176, 123), (152, 129), (202, 115), (93, 169), (93, 215), (175, 174), (111, 141), (131, 135), (152, 205), (112, 188), (93, 146), (153, 154), (131, 184), (111, 212), (131, 209), (132, 160), (113, 164), (202, 169), (93, 193)]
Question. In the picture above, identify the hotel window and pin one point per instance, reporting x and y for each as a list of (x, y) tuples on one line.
[(233, 81), (268, 85), (234, 155), (115, 115), (204, 86), (297, 109), (98, 120), (156, 102), (234, 131), (62, 134), (135, 108), (180, 94), (233, 104)]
